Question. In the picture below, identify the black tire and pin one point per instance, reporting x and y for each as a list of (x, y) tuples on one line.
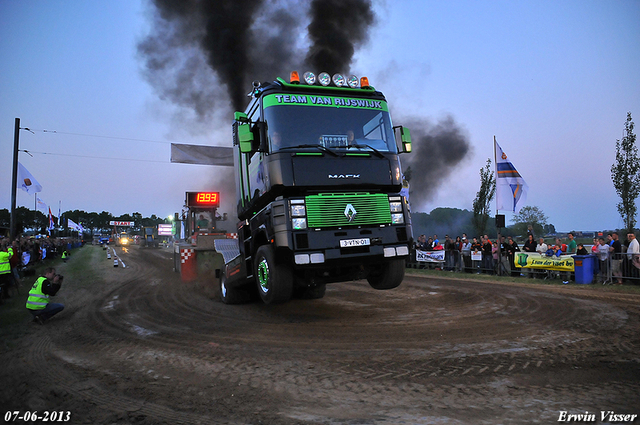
[(232, 295), (274, 280), (388, 275)]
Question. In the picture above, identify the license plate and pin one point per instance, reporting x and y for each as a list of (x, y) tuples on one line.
[(346, 243)]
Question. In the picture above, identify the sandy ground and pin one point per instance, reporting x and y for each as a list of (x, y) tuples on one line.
[(136, 345)]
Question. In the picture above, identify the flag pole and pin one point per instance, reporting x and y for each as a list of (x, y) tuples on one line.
[(14, 180), (498, 240), (495, 167)]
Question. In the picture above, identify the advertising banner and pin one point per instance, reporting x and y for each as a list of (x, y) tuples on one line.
[(531, 260), (430, 256), (197, 154), (165, 229)]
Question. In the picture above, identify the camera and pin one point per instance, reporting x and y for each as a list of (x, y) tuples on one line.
[(60, 278)]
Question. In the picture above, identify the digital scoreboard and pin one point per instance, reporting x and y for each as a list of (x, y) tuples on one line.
[(203, 199)]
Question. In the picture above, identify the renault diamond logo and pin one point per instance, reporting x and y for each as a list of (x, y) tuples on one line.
[(350, 212)]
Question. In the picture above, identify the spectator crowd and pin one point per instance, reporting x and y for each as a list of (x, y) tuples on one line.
[(23, 254), (617, 261)]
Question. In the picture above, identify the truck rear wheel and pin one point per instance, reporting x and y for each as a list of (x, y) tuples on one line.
[(232, 295), (388, 275), (275, 280)]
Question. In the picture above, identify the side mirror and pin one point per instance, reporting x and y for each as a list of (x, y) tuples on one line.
[(263, 144), (405, 138), (242, 127)]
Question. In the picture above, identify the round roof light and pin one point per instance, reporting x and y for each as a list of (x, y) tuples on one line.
[(352, 81), (324, 78), (309, 78), (338, 80)]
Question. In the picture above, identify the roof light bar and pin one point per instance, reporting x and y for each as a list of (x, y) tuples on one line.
[(339, 80), (309, 78), (324, 78)]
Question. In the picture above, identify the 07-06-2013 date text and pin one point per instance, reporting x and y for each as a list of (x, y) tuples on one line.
[(46, 416)]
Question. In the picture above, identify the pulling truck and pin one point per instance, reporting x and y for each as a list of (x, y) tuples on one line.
[(149, 237), (318, 183)]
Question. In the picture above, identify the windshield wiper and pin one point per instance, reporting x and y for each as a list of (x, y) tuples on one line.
[(319, 147), (358, 146)]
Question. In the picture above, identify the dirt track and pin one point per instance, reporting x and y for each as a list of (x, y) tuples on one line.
[(135, 345)]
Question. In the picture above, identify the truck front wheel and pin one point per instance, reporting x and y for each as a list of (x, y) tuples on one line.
[(275, 280), (388, 275)]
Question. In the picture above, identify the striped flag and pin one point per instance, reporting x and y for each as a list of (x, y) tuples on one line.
[(51, 225), (511, 189)]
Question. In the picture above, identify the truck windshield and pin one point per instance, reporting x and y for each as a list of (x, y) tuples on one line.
[(330, 127)]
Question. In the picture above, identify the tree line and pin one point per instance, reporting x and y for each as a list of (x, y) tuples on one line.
[(94, 223), (455, 222)]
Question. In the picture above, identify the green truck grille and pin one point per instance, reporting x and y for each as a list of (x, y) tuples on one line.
[(328, 210)]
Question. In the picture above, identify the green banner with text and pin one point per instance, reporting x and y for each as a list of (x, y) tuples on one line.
[(327, 101), (531, 260)]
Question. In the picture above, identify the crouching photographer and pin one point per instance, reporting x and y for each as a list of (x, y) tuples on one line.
[(38, 302)]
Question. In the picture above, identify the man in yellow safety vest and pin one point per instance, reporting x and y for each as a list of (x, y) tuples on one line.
[(38, 302), (5, 270)]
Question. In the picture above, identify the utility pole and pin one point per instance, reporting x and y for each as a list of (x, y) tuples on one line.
[(14, 179)]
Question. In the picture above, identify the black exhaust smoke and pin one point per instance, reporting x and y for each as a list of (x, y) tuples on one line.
[(198, 46), (336, 28), (437, 149), (201, 53)]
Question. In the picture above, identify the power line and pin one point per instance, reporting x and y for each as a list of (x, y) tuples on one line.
[(95, 135), (95, 157)]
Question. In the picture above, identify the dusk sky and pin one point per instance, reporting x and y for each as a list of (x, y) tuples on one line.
[(551, 80)]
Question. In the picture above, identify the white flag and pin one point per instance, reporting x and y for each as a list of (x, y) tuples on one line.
[(511, 189), (26, 181), (73, 225), (41, 205)]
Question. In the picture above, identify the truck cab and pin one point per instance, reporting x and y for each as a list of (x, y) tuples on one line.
[(318, 183)]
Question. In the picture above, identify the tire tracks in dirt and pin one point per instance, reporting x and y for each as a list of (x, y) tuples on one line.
[(432, 344)]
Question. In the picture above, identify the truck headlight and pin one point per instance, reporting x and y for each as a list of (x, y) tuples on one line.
[(299, 223), (298, 210), (395, 207), (397, 218)]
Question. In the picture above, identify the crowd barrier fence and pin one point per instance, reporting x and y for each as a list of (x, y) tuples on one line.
[(615, 268)]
